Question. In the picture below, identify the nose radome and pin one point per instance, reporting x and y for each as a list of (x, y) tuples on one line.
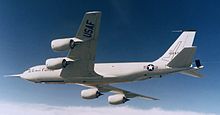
[(23, 76), (26, 77)]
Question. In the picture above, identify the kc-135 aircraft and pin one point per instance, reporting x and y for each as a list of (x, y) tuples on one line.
[(78, 66)]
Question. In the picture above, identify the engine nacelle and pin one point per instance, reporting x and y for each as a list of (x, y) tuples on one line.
[(64, 44), (57, 63), (90, 93), (117, 99)]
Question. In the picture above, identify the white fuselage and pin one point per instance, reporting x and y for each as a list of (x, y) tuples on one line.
[(110, 72)]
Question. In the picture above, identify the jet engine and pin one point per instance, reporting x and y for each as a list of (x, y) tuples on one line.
[(90, 93), (57, 63), (117, 99), (64, 44)]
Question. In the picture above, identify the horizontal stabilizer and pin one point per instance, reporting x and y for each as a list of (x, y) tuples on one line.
[(192, 73), (183, 58)]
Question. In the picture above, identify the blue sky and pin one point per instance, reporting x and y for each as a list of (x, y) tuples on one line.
[(130, 31)]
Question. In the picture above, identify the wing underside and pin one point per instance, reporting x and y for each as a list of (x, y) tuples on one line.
[(84, 53), (128, 94)]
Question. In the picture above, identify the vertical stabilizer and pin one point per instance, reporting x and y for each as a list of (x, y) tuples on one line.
[(184, 40)]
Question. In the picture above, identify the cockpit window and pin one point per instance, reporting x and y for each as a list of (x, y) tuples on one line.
[(28, 70)]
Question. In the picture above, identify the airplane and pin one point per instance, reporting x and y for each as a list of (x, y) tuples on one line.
[(79, 66)]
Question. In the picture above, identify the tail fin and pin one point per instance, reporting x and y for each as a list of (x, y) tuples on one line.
[(183, 59), (184, 40), (89, 27)]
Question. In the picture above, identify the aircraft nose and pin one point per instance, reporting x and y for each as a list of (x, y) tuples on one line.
[(26, 77), (23, 76)]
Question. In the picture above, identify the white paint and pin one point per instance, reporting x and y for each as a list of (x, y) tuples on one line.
[(84, 71)]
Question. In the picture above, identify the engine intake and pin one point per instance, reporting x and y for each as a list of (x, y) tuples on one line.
[(117, 99), (90, 93), (58, 63), (64, 44)]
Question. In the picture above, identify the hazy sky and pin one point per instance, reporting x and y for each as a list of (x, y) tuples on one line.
[(131, 30)]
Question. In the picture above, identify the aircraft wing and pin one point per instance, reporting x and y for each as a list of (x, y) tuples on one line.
[(84, 53), (128, 94)]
